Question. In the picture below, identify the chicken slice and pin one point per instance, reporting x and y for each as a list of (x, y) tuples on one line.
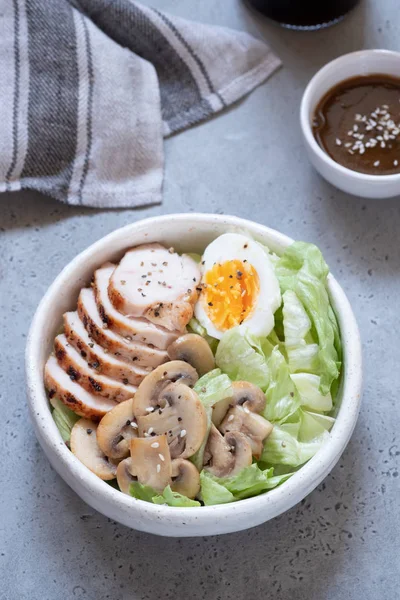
[(59, 384), (78, 370), (122, 347), (139, 329), (157, 284), (102, 362)]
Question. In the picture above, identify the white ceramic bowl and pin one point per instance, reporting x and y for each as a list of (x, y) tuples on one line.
[(186, 232), (365, 62)]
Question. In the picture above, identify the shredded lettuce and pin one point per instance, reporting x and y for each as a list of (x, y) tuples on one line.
[(294, 443), (251, 481), (213, 387), (308, 387), (149, 494), (213, 492), (241, 356), (303, 270), (282, 396), (174, 499), (64, 418), (142, 492)]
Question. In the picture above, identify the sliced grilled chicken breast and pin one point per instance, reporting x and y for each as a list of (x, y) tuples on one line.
[(102, 362), (122, 347), (83, 403), (157, 284), (139, 329), (78, 369)]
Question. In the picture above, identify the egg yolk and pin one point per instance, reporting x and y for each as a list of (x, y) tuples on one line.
[(230, 293)]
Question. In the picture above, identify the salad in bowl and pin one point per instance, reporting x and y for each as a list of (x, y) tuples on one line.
[(196, 379)]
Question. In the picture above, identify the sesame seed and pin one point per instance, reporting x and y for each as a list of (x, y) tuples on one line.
[(338, 142), (158, 468), (376, 163), (183, 433), (395, 162), (161, 457), (246, 410), (155, 445), (150, 409), (134, 425), (150, 430), (230, 418)]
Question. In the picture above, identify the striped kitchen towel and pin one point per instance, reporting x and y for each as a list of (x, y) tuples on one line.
[(89, 88)]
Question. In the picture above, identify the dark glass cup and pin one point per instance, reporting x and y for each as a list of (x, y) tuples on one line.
[(304, 14)]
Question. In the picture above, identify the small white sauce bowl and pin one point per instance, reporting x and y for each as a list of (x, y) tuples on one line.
[(185, 232), (364, 62)]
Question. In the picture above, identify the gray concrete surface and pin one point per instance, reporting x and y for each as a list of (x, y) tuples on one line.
[(342, 542)]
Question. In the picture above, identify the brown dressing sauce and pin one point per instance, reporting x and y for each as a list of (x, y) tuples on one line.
[(357, 123)]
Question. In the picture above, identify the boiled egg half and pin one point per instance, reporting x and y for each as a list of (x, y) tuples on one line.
[(239, 287)]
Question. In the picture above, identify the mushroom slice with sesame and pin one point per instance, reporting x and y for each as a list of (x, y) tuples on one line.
[(85, 447), (253, 426), (178, 414), (151, 462), (147, 394), (245, 394), (116, 429), (193, 349), (185, 478), (227, 455)]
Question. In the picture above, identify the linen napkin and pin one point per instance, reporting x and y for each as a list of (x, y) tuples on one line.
[(91, 87)]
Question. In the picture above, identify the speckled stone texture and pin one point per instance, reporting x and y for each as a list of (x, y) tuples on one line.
[(340, 543)]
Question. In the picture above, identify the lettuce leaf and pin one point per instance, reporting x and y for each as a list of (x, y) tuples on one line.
[(303, 270), (142, 492), (64, 418), (294, 443), (250, 482), (149, 494), (308, 386), (213, 492), (282, 396), (240, 355), (213, 387), (174, 499)]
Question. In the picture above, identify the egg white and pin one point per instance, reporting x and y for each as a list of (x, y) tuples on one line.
[(231, 246)]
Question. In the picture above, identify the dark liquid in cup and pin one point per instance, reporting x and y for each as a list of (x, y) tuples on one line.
[(304, 14)]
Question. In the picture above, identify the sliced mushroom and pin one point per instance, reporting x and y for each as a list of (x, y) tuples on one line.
[(253, 426), (248, 395), (185, 478), (147, 394), (178, 414), (244, 394), (151, 461), (85, 447), (194, 350), (228, 455), (116, 429), (124, 475)]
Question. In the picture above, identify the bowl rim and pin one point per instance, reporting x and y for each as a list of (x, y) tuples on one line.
[(277, 500), (306, 123)]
